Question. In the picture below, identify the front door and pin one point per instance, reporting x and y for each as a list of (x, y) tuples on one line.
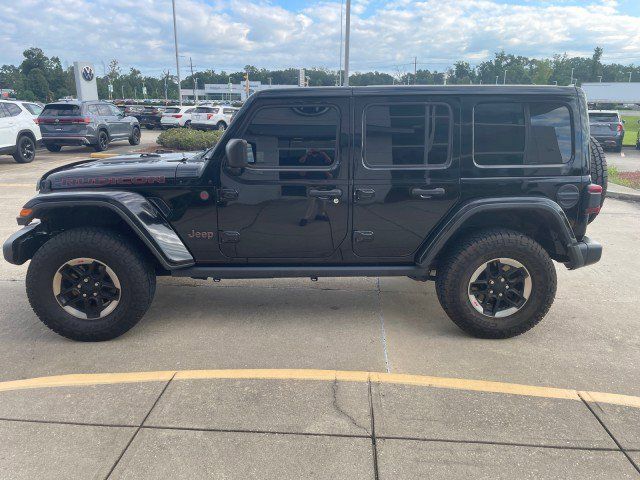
[(406, 172), (291, 202)]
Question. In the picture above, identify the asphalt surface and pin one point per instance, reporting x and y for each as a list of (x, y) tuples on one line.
[(297, 423), (626, 161)]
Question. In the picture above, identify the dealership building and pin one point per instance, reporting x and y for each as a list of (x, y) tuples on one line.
[(227, 91)]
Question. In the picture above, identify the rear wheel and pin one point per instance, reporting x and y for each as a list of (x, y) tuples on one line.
[(103, 141), (88, 284), (221, 126), (496, 284), (134, 139), (187, 124), (25, 149), (52, 147), (599, 173)]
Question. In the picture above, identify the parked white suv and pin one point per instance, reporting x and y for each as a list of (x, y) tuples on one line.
[(215, 117), (176, 117), (19, 134)]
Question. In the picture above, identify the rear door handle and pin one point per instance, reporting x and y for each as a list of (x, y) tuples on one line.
[(427, 192), (334, 193)]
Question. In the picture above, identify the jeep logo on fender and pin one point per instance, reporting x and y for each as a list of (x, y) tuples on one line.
[(203, 235), (102, 181)]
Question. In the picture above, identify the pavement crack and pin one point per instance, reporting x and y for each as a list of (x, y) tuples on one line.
[(339, 409), (606, 429), (135, 434)]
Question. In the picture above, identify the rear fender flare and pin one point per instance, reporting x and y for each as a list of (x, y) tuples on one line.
[(553, 215)]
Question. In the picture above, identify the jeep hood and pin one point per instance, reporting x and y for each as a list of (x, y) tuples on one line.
[(137, 170)]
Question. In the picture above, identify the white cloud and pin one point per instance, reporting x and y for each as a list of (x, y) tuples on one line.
[(227, 34)]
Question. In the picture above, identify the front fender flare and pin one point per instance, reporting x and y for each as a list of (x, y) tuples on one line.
[(552, 213), (134, 209)]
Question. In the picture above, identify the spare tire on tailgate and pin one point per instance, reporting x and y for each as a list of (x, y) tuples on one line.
[(598, 169)]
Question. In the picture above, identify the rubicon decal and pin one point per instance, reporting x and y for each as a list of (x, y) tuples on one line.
[(101, 181)]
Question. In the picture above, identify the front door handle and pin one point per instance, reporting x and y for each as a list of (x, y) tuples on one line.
[(228, 194), (427, 193), (325, 194)]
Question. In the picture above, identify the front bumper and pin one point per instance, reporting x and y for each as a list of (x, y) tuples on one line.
[(583, 253), (21, 246)]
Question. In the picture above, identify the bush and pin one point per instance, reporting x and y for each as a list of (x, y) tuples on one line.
[(187, 139)]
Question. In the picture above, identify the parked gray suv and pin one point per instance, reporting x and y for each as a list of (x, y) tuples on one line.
[(94, 123)]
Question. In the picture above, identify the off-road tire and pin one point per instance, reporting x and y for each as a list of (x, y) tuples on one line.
[(25, 149), (134, 139), (52, 147), (599, 173), (457, 267), (133, 269), (102, 143)]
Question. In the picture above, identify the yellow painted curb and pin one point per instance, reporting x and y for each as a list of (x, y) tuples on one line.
[(75, 380), (103, 155)]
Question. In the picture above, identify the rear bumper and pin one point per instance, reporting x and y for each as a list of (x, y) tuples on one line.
[(69, 140), (583, 253), (609, 140), (204, 126)]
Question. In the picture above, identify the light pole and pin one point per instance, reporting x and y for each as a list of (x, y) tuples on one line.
[(600, 78), (504, 80), (341, 35), (497, 76), (175, 40), (630, 76), (571, 82), (347, 31)]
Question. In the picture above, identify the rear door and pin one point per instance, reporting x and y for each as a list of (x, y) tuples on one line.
[(5, 127), (406, 175)]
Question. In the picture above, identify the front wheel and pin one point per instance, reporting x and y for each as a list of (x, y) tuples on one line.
[(89, 284), (496, 284), (25, 150)]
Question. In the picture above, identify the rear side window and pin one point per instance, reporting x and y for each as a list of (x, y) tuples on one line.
[(61, 111), (104, 110), (13, 109), (517, 134), (228, 111), (294, 137), (406, 136), (33, 108)]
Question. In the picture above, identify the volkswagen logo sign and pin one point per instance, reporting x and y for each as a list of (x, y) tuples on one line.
[(87, 73)]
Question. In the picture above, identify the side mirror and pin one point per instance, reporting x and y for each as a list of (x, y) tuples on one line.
[(236, 151)]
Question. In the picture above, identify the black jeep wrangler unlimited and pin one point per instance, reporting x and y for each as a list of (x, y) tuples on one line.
[(478, 188)]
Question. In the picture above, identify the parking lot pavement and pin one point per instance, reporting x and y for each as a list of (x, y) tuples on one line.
[(289, 425), (626, 161)]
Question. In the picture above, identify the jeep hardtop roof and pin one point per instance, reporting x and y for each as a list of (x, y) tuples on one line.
[(418, 90)]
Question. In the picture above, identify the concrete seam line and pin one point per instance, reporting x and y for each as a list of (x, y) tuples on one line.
[(319, 375)]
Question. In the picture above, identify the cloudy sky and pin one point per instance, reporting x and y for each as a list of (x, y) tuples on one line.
[(386, 34)]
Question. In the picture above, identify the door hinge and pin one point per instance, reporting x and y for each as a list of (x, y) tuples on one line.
[(360, 236)]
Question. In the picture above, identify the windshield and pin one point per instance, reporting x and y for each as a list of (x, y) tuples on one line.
[(172, 110), (603, 118), (61, 111)]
